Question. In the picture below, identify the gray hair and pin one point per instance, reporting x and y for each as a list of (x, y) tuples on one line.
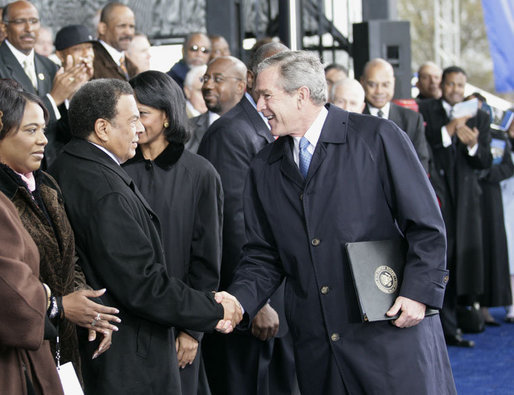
[(348, 84), (297, 69), (195, 73)]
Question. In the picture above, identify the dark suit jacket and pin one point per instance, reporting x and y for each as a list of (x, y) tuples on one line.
[(364, 183), (45, 71), (105, 66), (119, 246), (197, 126), (230, 144), (456, 182), (411, 123)]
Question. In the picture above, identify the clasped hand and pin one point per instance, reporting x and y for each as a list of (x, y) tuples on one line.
[(412, 312), (232, 312)]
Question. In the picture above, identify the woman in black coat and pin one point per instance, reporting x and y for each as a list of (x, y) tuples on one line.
[(185, 192)]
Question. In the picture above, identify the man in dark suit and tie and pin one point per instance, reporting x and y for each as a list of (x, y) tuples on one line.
[(118, 242), (334, 177), (378, 83), (224, 85), (116, 30), (258, 361), (460, 147), (35, 73)]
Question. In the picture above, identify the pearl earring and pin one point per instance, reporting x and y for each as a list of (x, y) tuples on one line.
[(166, 124)]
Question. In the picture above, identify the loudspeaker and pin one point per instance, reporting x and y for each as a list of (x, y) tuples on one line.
[(225, 17), (389, 40)]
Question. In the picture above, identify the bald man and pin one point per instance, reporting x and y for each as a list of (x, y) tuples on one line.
[(224, 84), (378, 83), (116, 30), (348, 95), (429, 81)]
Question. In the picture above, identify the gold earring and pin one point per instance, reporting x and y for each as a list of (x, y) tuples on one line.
[(166, 124)]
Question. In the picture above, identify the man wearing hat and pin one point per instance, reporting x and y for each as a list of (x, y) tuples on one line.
[(73, 46)]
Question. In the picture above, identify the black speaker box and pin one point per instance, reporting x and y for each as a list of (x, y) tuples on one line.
[(389, 40)]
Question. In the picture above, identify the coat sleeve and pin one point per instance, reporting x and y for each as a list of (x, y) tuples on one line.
[(415, 209), (124, 258), (259, 273), (23, 306), (230, 153), (420, 142), (205, 262)]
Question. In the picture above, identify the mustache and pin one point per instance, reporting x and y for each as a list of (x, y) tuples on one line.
[(126, 38)]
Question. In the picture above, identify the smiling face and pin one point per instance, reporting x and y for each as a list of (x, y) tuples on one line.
[(124, 130), (23, 149), (118, 31), (278, 106), (153, 121), (223, 86), (22, 28), (453, 88), (378, 84)]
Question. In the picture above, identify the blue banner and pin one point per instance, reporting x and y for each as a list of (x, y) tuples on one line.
[(499, 23)]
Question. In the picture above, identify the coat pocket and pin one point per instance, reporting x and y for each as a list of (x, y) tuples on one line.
[(144, 339)]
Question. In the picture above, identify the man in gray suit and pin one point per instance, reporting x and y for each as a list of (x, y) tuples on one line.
[(224, 84), (378, 83), (35, 73)]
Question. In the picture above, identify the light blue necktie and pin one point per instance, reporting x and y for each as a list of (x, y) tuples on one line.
[(305, 157)]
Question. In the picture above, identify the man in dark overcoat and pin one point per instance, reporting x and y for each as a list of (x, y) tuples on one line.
[(460, 147), (118, 242), (363, 182), (259, 360)]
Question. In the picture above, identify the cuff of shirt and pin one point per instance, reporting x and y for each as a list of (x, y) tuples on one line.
[(473, 150), (54, 106), (445, 137)]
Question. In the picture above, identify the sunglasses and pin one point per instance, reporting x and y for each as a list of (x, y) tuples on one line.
[(196, 48)]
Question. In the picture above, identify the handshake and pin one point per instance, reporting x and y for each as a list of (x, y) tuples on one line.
[(232, 312)]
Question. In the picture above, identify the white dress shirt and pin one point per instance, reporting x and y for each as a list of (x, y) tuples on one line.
[(312, 134)]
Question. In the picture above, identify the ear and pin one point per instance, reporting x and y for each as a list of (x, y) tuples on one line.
[(241, 87), (303, 93), (102, 130), (102, 28), (3, 28)]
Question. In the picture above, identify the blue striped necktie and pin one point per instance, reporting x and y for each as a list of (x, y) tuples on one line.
[(305, 157)]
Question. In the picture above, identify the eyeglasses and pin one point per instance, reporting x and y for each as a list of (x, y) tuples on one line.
[(196, 48), (30, 21), (218, 78)]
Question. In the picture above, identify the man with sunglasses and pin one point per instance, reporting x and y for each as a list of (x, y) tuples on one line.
[(195, 52)]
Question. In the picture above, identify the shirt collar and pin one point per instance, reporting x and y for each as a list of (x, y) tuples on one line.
[(115, 54), (111, 155), (312, 134), (385, 110), (20, 56), (212, 117)]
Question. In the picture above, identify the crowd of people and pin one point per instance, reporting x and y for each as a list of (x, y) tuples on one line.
[(185, 232)]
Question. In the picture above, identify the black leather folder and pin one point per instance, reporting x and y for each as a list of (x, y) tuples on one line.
[(377, 269)]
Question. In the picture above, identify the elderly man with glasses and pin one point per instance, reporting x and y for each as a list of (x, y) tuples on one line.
[(195, 52)]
